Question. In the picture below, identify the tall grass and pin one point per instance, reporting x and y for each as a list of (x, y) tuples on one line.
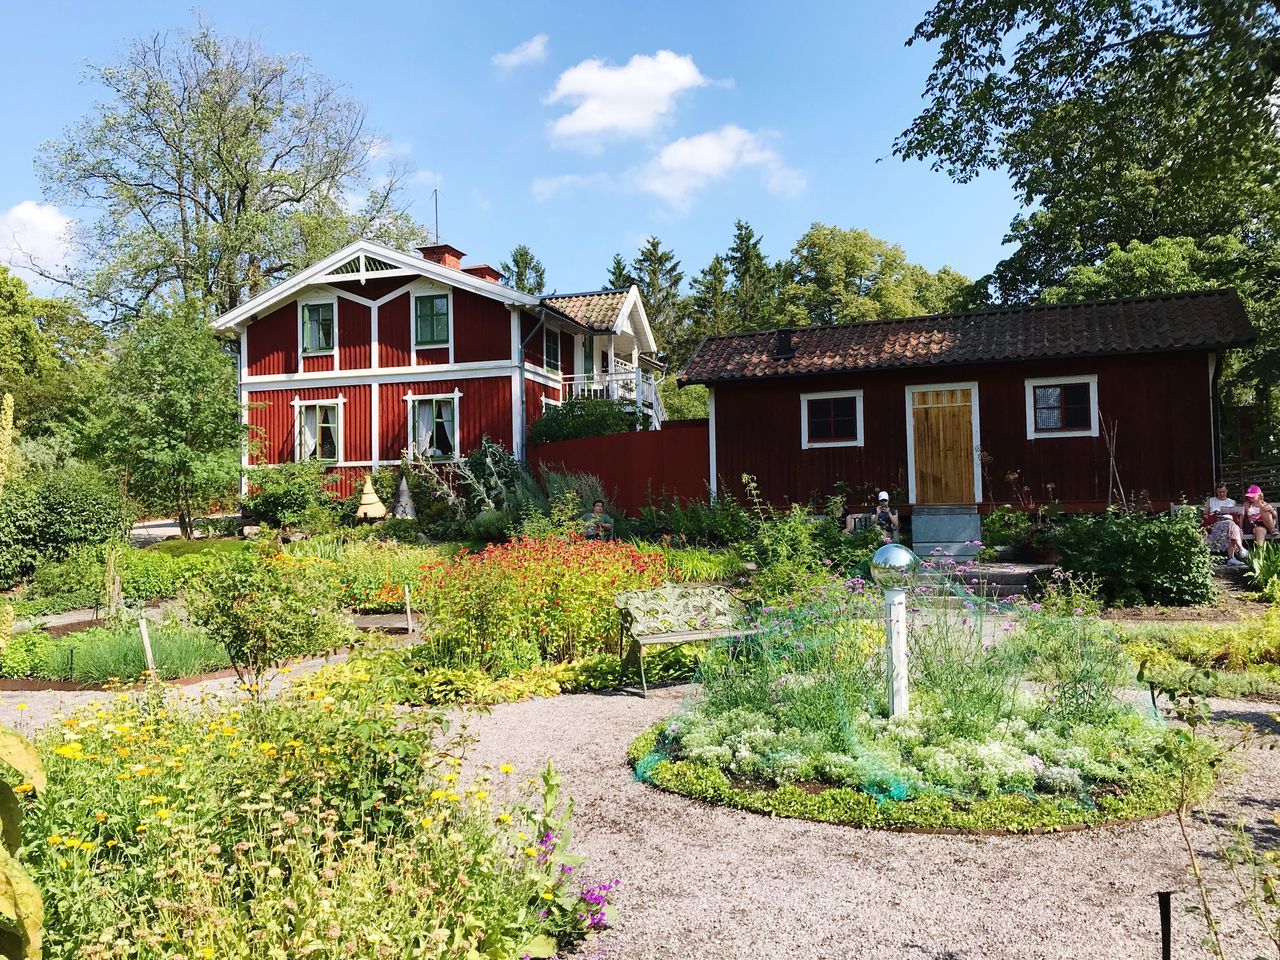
[(101, 654)]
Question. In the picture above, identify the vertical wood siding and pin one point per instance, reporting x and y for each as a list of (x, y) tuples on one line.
[(484, 409), (481, 328), (271, 422), (374, 288), (567, 358), (354, 335), (273, 342), (318, 363), (533, 349), (1160, 405), (394, 336), (427, 358)]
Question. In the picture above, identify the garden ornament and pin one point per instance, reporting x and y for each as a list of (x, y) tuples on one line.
[(403, 509), (371, 508), (894, 568)]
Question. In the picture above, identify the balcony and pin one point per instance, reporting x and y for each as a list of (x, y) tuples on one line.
[(624, 383)]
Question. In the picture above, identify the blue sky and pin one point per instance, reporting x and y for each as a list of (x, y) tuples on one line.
[(601, 125)]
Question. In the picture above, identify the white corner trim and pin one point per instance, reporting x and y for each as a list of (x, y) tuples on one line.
[(1033, 434), (975, 419), (805, 442), (711, 439), (375, 427)]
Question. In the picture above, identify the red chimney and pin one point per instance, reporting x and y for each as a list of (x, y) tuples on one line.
[(484, 272), (443, 254)]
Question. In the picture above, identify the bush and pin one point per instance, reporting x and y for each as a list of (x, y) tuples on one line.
[(848, 553), (721, 522), (288, 495), (1006, 527), (581, 417), (47, 515), (1138, 558), (701, 565), (530, 601)]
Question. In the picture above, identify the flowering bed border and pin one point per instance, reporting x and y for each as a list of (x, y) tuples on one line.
[(846, 806)]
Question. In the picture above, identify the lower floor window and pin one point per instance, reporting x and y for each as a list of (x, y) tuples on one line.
[(433, 427), (831, 419), (318, 432)]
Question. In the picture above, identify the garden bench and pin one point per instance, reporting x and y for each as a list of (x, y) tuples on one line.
[(671, 617)]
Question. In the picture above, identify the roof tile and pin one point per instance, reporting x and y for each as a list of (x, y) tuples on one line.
[(595, 311)]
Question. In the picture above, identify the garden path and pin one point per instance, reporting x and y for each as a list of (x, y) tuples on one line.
[(705, 882)]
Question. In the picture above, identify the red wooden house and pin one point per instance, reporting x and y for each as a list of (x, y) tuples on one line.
[(374, 354), (1070, 398)]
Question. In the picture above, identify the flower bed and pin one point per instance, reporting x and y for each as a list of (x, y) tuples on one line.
[(1019, 734), (1236, 660), (309, 827)]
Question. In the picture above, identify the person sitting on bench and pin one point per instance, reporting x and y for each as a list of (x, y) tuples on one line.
[(1221, 530), (597, 525), (1259, 516)]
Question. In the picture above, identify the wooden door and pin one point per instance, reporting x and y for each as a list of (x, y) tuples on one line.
[(943, 443)]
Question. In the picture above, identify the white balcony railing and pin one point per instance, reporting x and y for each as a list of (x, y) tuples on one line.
[(624, 383)]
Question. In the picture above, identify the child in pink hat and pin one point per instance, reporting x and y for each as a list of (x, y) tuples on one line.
[(1259, 516)]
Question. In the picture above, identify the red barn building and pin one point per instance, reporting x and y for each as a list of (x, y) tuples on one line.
[(1070, 398), (374, 354)]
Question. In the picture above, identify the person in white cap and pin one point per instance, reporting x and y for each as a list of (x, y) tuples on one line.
[(886, 516)]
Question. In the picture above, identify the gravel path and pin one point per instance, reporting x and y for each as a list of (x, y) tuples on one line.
[(701, 881)]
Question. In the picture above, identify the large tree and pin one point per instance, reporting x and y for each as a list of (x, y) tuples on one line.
[(210, 170), (657, 273), (619, 277), (524, 271), (169, 420), (755, 281)]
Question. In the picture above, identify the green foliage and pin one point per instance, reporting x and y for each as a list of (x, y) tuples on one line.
[(720, 522), (580, 417), (1081, 664), (284, 495), (703, 565), (1138, 558), (1264, 567), (1241, 659), (524, 271), (266, 611), (113, 653), (1006, 527), (169, 419), (326, 819), (682, 403), (847, 553), (1069, 594), (784, 548)]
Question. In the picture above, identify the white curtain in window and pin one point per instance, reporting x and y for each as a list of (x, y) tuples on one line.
[(422, 427), (444, 417), (307, 442)]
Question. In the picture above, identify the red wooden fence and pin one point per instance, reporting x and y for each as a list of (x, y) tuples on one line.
[(637, 468)]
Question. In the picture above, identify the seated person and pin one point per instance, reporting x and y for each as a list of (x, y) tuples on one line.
[(886, 516), (1221, 530), (1259, 516), (597, 525)]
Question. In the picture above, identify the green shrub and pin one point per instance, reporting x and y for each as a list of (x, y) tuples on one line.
[(1264, 569), (1138, 558), (849, 554), (288, 495), (784, 548), (491, 526), (581, 417), (720, 522), (1006, 527), (702, 565)]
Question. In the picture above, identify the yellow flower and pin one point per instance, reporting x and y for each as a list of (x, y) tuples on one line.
[(450, 777), (100, 815), (428, 821), (546, 895), (437, 794), (22, 706), (504, 818), (506, 768), (454, 798), (140, 828), (55, 839), (23, 788), (72, 751), (163, 814), (480, 794), (530, 852)]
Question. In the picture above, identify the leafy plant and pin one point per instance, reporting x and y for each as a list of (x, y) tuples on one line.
[(581, 417), (1263, 567), (285, 495)]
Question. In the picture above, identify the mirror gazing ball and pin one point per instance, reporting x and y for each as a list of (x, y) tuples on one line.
[(893, 565)]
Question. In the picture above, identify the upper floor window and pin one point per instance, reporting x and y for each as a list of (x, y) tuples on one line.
[(318, 432), (551, 349), (1062, 407), (432, 427), (431, 320), (831, 419), (317, 327)]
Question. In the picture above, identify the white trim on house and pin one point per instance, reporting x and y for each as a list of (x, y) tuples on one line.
[(549, 332), (472, 368), (711, 438), (633, 310), (320, 298), (242, 362), (1030, 384), (409, 264), (340, 402), (411, 398), (375, 427), (972, 386), (806, 443)]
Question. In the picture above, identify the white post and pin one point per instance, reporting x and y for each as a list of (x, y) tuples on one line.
[(146, 644), (408, 611), (895, 628)]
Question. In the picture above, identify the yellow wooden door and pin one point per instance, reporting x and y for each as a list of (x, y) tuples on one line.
[(943, 445)]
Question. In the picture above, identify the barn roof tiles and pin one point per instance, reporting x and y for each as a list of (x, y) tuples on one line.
[(594, 311), (1207, 320)]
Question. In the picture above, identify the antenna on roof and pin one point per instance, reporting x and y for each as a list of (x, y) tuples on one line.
[(435, 196)]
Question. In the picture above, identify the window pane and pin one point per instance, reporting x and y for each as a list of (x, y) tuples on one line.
[(431, 319), (307, 442), (1048, 397), (317, 327), (833, 419), (1048, 418), (444, 431), (328, 433)]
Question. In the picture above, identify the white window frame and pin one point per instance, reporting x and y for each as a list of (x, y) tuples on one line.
[(413, 319), (1030, 386), (547, 334), (805, 442), (340, 402), (313, 301), (411, 398), (428, 289)]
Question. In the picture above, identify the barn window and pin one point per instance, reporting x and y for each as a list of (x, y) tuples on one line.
[(1062, 407), (831, 419), (319, 432), (431, 320), (317, 327), (433, 428), (551, 349)]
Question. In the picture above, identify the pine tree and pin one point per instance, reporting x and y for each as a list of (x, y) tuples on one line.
[(619, 274), (524, 271), (755, 282), (657, 273), (711, 307)]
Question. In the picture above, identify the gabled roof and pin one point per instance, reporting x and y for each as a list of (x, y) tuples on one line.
[(365, 258), (1206, 320), (603, 311)]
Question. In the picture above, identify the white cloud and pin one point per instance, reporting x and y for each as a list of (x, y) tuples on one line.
[(533, 50), (34, 233), (381, 149), (544, 188), (686, 165), (627, 101), (425, 178)]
